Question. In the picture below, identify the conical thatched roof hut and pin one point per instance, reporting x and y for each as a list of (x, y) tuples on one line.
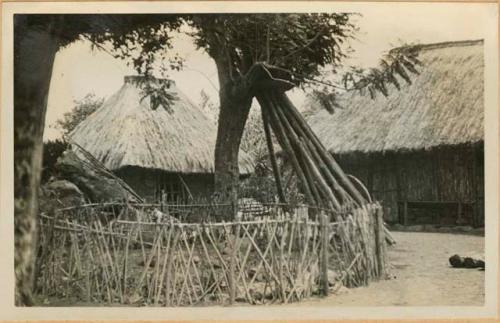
[(163, 149), (422, 143)]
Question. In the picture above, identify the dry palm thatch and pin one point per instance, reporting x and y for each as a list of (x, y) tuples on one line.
[(442, 106), (135, 128)]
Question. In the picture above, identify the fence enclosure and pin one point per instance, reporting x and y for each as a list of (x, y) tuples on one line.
[(99, 253)]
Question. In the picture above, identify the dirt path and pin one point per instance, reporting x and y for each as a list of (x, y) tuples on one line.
[(423, 276)]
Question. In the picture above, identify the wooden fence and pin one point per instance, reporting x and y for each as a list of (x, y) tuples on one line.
[(281, 257)]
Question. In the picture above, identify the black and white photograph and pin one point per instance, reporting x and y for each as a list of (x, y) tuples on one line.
[(276, 158)]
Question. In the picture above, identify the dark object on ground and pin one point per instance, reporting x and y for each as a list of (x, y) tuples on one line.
[(466, 262)]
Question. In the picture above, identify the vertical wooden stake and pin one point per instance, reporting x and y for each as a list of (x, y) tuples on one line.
[(232, 265), (380, 241), (172, 253), (324, 254), (281, 261)]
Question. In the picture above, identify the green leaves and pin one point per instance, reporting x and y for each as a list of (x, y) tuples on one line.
[(83, 108), (158, 92), (400, 62), (140, 40), (327, 99), (302, 42)]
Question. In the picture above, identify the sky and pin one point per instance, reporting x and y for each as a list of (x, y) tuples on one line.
[(79, 70)]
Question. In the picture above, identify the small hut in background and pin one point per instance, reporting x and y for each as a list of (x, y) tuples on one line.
[(163, 152), (420, 150)]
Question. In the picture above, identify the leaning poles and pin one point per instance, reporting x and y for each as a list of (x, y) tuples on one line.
[(272, 156), (322, 180), (325, 155), (285, 144)]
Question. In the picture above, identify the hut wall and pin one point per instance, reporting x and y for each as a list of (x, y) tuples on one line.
[(449, 174), (379, 173), (149, 183), (200, 185), (142, 181), (479, 184)]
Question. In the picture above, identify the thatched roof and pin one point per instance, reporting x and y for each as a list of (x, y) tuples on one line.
[(443, 106), (126, 131)]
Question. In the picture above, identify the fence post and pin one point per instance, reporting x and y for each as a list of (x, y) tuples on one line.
[(324, 254), (234, 253), (281, 261), (170, 261), (380, 240)]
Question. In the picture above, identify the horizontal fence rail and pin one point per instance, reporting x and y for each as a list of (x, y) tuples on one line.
[(136, 254)]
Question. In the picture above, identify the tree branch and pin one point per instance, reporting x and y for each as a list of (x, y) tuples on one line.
[(309, 43)]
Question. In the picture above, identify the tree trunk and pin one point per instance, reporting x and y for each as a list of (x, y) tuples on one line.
[(235, 103), (232, 118), (34, 53)]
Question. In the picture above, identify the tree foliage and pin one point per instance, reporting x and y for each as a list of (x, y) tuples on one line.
[(310, 47), (143, 44), (137, 38), (395, 67), (82, 109), (398, 62), (302, 43)]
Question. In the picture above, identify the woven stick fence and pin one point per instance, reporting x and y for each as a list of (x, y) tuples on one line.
[(278, 258)]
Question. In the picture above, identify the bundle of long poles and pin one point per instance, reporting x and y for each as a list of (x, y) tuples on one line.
[(322, 180)]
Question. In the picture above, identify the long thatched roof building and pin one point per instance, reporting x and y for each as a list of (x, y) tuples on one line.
[(420, 149), (157, 147)]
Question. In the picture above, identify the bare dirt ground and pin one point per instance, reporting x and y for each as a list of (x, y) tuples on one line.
[(423, 276)]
